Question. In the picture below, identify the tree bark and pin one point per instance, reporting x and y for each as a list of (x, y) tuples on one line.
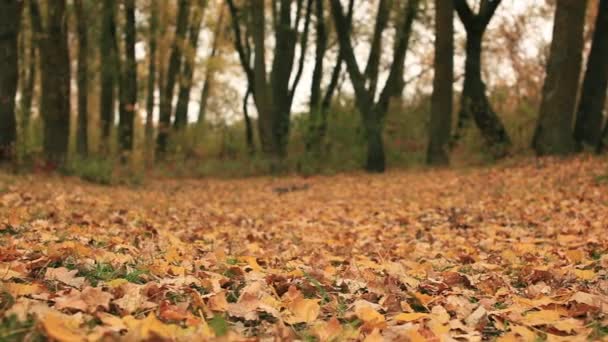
[(55, 79), (151, 82), (166, 97), (474, 102), (109, 71), (185, 81), (590, 118), (553, 135), (9, 76), (442, 99), (129, 84), (82, 146)]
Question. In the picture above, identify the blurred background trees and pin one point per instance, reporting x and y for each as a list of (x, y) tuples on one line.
[(195, 86)]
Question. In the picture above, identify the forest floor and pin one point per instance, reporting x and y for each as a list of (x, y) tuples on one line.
[(514, 252)]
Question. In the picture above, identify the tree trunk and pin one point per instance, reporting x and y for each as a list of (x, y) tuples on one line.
[(152, 43), (589, 121), (553, 133), (273, 91), (185, 81), (129, 85), (55, 79), (82, 146), (442, 99), (9, 75), (374, 111), (28, 80), (166, 97), (209, 71), (109, 71), (376, 159), (248, 125), (474, 102)]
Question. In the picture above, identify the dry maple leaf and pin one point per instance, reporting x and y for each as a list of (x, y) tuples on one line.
[(65, 276)]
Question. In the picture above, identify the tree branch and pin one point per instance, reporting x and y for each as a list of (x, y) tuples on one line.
[(303, 46), (373, 61), (465, 14), (238, 42)]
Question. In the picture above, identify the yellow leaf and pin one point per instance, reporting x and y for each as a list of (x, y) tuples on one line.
[(218, 302), (584, 274), (329, 330), (16, 289), (368, 315), (304, 310), (575, 255), (117, 282), (568, 325), (61, 327), (409, 317), (438, 328), (423, 298), (541, 317)]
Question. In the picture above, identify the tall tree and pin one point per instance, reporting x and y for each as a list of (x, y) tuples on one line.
[(589, 121), (166, 96), (82, 25), (319, 101), (151, 82), (9, 75), (210, 70), (441, 101), (128, 103), (28, 76), (474, 102), (553, 133), (109, 69), (365, 82), (273, 91), (52, 42), (185, 81)]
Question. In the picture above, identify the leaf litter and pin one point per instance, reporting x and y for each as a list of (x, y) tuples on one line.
[(508, 253)]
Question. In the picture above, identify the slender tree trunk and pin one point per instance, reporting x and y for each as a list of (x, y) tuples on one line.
[(590, 118), (109, 71), (9, 76), (29, 77), (55, 79), (129, 85), (209, 71), (166, 97), (442, 99), (185, 81), (316, 120), (152, 43), (553, 133), (82, 146), (248, 125)]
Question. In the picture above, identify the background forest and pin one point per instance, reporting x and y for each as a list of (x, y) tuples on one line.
[(211, 87)]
